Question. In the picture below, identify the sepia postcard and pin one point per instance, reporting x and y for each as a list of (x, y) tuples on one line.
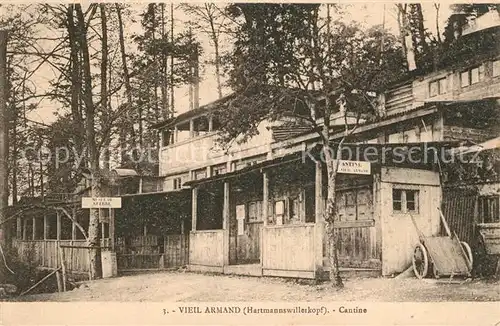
[(249, 163)]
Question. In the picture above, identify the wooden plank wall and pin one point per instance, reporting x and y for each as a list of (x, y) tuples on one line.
[(289, 248), (176, 250), (399, 99), (206, 248), (44, 253), (152, 252)]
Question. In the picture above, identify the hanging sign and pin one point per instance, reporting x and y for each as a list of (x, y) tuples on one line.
[(101, 202), (240, 212), (241, 226), (354, 167)]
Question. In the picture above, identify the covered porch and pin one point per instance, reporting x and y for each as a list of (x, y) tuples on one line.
[(261, 220)]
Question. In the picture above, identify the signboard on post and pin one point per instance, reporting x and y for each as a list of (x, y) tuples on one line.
[(101, 202), (354, 167)]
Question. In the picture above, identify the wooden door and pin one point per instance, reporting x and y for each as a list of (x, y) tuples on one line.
[(249, 224), (355, 229)]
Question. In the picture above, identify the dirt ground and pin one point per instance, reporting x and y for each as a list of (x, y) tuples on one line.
[(191, 287)]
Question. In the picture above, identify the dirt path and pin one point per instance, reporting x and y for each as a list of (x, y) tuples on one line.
[(179, 286)]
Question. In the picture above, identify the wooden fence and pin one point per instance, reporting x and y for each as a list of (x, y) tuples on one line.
[(151, 252), (45, 253), (289, 250)]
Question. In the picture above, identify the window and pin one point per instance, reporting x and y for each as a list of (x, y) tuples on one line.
[(489, 209), (200, 174), (437, 87), (496, 68), (472, 76), (167, 138), (177, 183), (293, 210), (219, 169), (405, 201)]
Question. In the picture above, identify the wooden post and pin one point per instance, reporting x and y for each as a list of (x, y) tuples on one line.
[(58, 216), (45, 227), (191, 128), (73, 225), (140, 185), (63, 267), (112, 228), (210, 123), (33, 231), (225, 223), (25, 229), (59, 281), (194, 208), (265, 213), (19, 229), (176, 134), (320, 225)]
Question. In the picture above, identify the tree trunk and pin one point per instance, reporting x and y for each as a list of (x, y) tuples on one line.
[(172, 91), (93, 234), (127, 126), (76, 86), (4, 141), (331, 212), (104, 81), (164, 69), (438, 7)]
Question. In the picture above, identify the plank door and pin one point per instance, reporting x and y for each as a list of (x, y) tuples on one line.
[(355, 229), (249, 224)]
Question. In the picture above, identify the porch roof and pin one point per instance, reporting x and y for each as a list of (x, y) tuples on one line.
[(259, 166), (381, 150)]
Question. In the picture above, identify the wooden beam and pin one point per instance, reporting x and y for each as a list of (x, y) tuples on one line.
[(194, 208), (225, 223)]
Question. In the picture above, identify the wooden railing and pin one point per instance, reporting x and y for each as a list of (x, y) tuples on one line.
[(289, 248), (206, 248)]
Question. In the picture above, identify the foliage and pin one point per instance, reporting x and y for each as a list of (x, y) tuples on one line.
[(286, 56), (162, 216)]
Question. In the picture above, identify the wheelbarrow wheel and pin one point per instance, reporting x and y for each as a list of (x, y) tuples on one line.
[(420, 261), (468, 252)]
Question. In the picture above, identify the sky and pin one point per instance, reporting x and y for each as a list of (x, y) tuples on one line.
[(367, 14)]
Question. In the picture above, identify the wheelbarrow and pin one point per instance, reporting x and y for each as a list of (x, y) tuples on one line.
[(439, 256)]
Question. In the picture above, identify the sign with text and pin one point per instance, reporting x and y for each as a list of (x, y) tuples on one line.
[(101, 202), (354, 167)]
